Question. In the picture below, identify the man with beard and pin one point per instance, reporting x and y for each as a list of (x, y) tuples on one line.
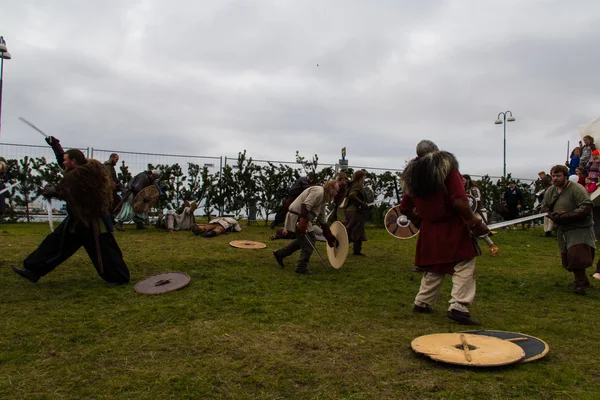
[(139, 182), (112, 173), (87, 189), (295, 190), (569, 206), (435, 201), (308, 207)]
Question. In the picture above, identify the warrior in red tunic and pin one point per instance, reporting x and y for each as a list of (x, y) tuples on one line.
[(435, 201)]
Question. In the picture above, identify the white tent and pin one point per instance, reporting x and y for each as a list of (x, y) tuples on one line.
[(592, 129)]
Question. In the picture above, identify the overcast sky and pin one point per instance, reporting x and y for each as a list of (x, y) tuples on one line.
[(213, 78)]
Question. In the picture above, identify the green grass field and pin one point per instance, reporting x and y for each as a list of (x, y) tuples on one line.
[(244, 328)]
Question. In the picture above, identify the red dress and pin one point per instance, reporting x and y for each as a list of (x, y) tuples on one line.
[(444, 238)]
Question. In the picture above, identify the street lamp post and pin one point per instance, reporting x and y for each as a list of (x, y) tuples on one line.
[(4, 55), (499, 122)]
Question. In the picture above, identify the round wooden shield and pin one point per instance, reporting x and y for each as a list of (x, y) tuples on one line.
[(247, 244), (533, 347), (337, 255), (472, 202), (398, 225), (162, 283), (467, 349), (145, 199)]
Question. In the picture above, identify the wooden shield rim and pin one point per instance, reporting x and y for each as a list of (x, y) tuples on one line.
[(237, 244), (471, 338), (396, 209), (148, 188), (136, 287), (339, 231), (525, 360)]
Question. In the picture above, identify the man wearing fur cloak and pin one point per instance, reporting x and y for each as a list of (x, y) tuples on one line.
[(435, 201), (88, 190)]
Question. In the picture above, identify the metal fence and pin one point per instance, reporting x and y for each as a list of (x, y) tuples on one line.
[(139, 161), (19, 151)]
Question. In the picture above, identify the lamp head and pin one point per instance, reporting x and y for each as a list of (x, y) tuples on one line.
[(510, 119), (498, 122)]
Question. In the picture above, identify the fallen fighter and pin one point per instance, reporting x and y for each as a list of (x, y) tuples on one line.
[(216, 227), (179, 222)]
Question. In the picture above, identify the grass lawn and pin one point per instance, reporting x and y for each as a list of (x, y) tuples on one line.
[(244, 328)]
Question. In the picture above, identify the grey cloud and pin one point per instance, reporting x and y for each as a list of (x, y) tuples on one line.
[(215, 78)]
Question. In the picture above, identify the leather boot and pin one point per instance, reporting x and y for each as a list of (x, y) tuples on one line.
[(357, 248), (463, 318)]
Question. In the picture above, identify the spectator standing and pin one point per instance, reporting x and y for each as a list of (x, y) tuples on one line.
[(593, 166), (586, 151), (574, 162), (514, 200)]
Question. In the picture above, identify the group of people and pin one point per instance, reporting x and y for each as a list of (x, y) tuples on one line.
[(584, 162), (435, 200), (94, 209)]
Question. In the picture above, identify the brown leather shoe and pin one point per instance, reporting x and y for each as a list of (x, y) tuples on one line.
[(462, 318)]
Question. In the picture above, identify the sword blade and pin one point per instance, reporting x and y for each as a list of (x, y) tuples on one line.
[(516, 221), (7, 188), (316, 251), (32, 126)]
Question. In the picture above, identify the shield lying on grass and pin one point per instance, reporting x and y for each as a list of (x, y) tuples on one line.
[(247, 244), (162, 283), (533, 347), (469, 350)]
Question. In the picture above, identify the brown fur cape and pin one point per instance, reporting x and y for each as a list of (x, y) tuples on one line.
[(88, 189), (424, 176)]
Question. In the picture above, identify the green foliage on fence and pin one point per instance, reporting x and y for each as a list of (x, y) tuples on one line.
[(241, 187)]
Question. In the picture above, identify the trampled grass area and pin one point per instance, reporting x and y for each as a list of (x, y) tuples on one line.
[(244, 328)]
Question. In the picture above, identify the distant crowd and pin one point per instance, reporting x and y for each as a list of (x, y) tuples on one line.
[(585, 164)]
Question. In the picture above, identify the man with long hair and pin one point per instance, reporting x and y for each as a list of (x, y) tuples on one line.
[(355, 209), (435, 201), (308, 207)]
